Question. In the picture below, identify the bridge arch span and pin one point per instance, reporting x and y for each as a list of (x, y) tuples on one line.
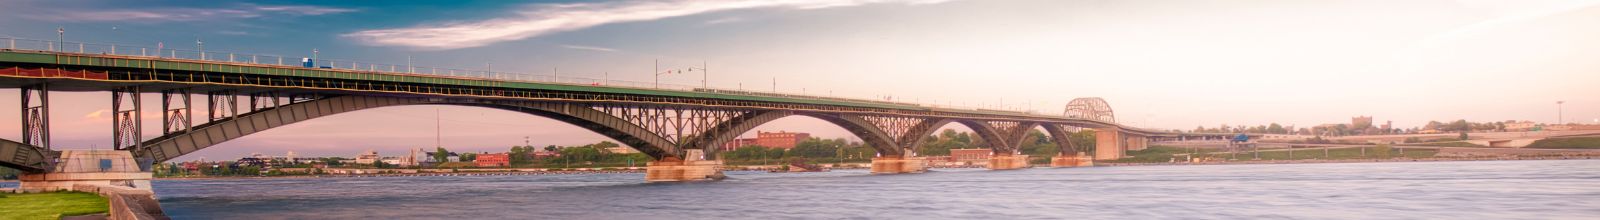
[(1091, 108), (171, 146), (999, 138), (713, 139)]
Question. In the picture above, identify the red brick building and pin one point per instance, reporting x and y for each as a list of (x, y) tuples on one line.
[(493, 160), (780, 139), (971, 156), (738, 143)]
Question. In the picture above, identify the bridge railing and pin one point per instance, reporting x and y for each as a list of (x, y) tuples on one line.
[(163, 52)]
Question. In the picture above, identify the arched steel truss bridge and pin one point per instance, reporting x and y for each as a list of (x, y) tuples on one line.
[(243, 99)]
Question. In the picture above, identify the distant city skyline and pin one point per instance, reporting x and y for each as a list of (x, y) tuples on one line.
[(1160, 64)]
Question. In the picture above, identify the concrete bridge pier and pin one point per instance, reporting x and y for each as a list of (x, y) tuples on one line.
[(89, 167), (894, 164), (1066, 160), (692, 169), (1008, 162)]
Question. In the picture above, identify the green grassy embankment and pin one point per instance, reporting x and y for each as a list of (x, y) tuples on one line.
[(1157, 154), (1567, 143), (1162, 154), (1334, 154), (52, 205)]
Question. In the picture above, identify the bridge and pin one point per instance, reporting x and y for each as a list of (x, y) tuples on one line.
[(679, 127)]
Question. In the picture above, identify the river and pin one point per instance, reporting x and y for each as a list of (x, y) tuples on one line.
[(1564, 189)]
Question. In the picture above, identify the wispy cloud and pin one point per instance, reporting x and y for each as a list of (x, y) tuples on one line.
[(723, 20), (542, 19), (590, 48), (181, 14)]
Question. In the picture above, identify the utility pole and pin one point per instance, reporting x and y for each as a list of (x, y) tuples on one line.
[(1559, 113), (704, 75), (61, 36), (657, 72), (200, 45), (438, 130)]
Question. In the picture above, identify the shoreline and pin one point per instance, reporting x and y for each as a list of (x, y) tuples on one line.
[(741, 168), (1317, 161)]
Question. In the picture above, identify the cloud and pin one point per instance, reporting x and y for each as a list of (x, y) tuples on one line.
[(723, 20), (180, 14), (541, 19), (96, 114), (591, 48)]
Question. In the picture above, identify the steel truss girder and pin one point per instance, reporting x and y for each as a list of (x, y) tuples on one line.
[(263, 100), (176, 118), (36, 115), (676, 123), (25, 157), (126, 125), (221, 104)]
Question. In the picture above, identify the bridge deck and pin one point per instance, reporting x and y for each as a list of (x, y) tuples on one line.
[(95, 72)]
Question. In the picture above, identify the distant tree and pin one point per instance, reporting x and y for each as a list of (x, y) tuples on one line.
[(467, 157), (1463, 135), (815, 148), (380, 164), (441, 155), (520, 154), (551, 148), (606, 145), (1276, 128)]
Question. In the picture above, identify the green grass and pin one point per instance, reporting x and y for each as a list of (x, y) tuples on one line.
[(1452, 144), (1162, 154), (1567, 143), (1334, 154), (1156, 154), (52, 205)]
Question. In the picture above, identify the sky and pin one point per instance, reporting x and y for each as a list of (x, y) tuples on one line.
[(1160, 64)]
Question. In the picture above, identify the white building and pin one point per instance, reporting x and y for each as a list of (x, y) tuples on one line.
[(367, 157)]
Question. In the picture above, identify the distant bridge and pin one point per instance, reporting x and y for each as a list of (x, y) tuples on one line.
[(244, 96)]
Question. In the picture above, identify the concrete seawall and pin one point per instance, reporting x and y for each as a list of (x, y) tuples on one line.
[(126, 203)]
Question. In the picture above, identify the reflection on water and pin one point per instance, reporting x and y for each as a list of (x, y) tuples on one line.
[(1431, 190)]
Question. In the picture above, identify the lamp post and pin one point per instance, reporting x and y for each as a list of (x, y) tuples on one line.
[(1559, 112)]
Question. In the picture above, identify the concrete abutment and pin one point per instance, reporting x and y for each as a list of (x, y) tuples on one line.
[(897, 164), (1008, 162)]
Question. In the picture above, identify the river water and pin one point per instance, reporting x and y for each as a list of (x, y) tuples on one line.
[(1567, 189)]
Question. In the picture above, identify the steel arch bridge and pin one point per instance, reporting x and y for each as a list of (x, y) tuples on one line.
[(246, 98), (1091, 108)]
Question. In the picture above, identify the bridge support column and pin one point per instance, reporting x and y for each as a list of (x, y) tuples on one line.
[(894, 164), (89, 167), (1065, 160), (1137, 142), (1008, 162), (692, 169), (1109, 144)]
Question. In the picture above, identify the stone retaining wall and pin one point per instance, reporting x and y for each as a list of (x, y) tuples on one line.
[(126, 203)]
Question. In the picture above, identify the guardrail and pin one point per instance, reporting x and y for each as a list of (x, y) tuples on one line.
[(160, 51)]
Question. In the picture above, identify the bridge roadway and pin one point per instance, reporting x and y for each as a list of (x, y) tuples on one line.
[(675, 127)]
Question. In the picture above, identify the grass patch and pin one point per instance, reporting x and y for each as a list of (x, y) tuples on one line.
[(1335, 154), (1156, 154), (1452, 144), (51, 205), (1567, 143)]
